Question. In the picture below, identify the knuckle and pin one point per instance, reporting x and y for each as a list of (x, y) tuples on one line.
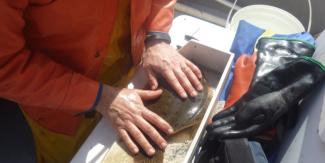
[(179, 88), (197, 70), (147, 129), (137, 135), (186, 69), (187, 86), (137, 112), (151, 132), (164, 69), (125, 117), (119, 123), (122, 135)]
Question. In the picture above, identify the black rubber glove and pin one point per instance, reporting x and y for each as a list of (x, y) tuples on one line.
[(268, 99), (274, 52)]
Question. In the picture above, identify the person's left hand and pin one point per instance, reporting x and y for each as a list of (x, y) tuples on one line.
[(161, 59)]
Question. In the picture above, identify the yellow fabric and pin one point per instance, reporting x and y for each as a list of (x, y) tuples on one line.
[(118, 62), (117, 69), (58, 148), (267, 33)]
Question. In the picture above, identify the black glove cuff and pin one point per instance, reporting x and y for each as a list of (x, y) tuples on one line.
[(158, 36), (312, 60)]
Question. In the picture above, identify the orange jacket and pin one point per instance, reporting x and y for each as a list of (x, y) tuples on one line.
[(51, 52)]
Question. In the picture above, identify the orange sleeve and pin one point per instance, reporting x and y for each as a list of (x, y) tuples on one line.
[(243, 75), (161, 16), (31, 78)]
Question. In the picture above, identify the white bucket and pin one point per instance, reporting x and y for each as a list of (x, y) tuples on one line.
[(268, 17)]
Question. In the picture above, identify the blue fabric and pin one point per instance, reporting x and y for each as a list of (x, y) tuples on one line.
[(304, 36), (99, 95), (245, 39), (226, 89), (244, 42), (257, 152)]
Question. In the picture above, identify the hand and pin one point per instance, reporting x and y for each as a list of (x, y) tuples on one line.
[(125, 109), (161, 59), (248, 117), (275, 94)]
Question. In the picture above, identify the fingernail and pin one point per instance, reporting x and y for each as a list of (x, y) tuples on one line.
[(170, 131), (184, 95), (193, 93), (200, 88), (151, 151), (135, 150), (163, 145)]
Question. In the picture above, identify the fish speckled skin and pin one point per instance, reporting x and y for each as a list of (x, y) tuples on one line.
[(181, 113)]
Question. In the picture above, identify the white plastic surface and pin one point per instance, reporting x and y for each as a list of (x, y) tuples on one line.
[(268, 17), (320, 50), (103, 136), (320, 56), (207, 33)]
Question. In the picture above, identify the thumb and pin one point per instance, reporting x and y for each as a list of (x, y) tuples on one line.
[(149, 94), (152, 79)]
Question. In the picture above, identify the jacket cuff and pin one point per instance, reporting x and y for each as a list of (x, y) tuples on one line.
[(90, 112), (81, 94), (312, 60)]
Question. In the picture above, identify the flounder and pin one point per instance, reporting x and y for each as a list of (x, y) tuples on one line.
[(181, 113)]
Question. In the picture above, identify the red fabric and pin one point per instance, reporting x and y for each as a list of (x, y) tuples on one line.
[(243, 75), (51, 52)]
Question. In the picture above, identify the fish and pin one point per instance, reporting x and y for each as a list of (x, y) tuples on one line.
[(181, 113)]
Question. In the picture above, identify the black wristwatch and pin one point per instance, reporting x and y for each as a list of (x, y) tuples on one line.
[(158, 36)]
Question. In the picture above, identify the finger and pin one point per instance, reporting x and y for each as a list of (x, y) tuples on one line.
[(222, 122), (151, 132), (157, 121), (218, 132), (194, 68), (193, 78), (225, 113), (250, 131), (128, 141), (185, 82), (140, 138), (152, 79), (149, 94), (172, 80)]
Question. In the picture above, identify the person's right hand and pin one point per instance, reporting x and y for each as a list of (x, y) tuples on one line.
[(131, 119)]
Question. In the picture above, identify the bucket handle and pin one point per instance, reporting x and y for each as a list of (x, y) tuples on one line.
[(310, 9)]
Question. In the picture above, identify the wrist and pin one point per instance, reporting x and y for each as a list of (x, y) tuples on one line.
[(108, 95), (153, 43)]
